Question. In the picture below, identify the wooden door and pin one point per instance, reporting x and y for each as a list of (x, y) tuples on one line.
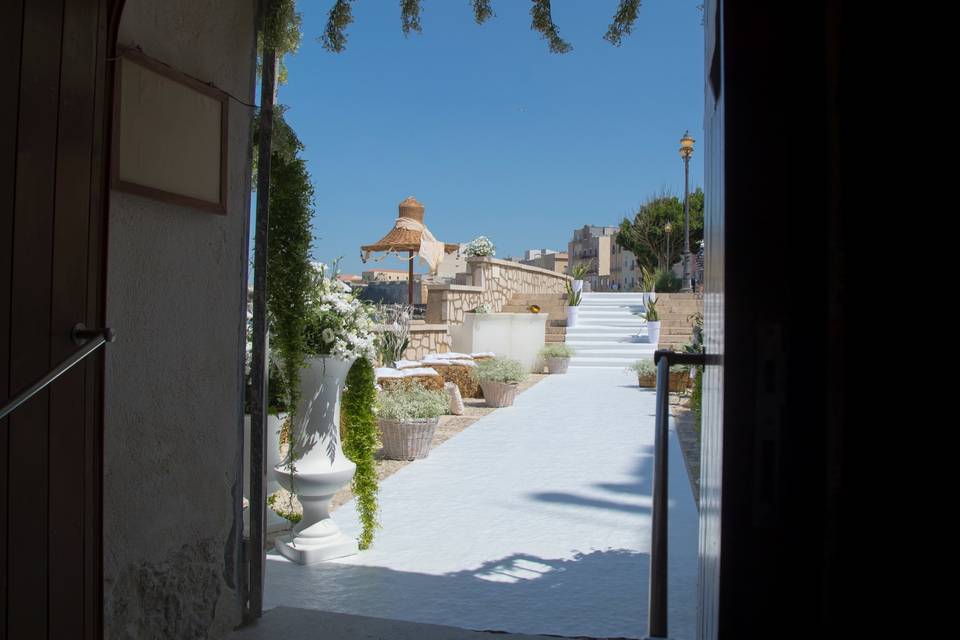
[(54, 60)]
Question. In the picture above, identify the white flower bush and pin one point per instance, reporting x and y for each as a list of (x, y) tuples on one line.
[(481, 247), (338, 322)]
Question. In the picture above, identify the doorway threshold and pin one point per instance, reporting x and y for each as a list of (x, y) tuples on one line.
[(291, 623)]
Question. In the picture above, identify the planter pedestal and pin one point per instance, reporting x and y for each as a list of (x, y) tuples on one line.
[(320, 467)]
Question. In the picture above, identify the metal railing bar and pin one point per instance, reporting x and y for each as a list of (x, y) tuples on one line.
[(102, 336), (657, 613)]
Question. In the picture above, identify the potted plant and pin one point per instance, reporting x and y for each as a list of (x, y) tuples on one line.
[(649, 284), (557, 356), (393, 341), (653, 320), (573, 305), (499, 378), (338, 330), (481, 247), (578, 271), (646, 373), (408, 417)]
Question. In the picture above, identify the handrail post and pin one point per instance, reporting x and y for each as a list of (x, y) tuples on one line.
[(657, 615)]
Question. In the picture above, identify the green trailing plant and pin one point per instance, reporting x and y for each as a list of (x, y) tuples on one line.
[(360, 442), (557, 350), (581, 269), (411, 402), (573, 297), (282, 31), (499, 370), (666, 281), (289, 271)]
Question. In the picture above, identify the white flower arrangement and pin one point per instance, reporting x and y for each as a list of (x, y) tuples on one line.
[(481, 247), (483, 307), (338, 322)]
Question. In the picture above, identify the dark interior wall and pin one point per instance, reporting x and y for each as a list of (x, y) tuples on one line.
[(775, 420)]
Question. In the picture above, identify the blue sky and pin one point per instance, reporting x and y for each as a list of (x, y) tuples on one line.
[(495, 135)]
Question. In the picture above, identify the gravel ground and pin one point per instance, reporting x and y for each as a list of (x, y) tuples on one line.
[(449, 426)]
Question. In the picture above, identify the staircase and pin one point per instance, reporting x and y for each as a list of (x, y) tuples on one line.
[(554, 305), (606, 333), (676, 327)]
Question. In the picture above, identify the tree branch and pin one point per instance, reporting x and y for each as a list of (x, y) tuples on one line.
[(334, 36), (410, 16), (623, 21), (482, 11), (543, 22)]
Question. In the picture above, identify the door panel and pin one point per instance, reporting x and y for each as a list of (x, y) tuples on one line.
[(52, 219)]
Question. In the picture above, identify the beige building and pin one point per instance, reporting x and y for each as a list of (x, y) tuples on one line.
[(556, 261), (612, 267), (592, 244), (624, 273), (385, 275)]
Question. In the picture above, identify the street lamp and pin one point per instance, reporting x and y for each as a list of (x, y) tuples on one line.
[(686, 150), (668, 229)]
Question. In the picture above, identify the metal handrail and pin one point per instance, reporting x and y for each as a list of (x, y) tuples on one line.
[(94, 339), (657, 617)]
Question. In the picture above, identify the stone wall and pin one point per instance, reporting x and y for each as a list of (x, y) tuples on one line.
[(493, 282), (427, 338)]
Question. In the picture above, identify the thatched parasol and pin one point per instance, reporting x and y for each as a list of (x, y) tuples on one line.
[(411, 235)]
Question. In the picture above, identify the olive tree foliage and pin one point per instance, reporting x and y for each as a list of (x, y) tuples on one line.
[(541, 20), (646, 237)]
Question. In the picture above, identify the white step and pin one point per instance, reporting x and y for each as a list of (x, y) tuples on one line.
[(612, 338), (620, 363), (613, 347)]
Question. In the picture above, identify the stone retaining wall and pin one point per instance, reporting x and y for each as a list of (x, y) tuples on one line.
[(493, 282), (425, 339)]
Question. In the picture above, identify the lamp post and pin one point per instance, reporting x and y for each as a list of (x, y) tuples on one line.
[(668, 229), (686, 150)]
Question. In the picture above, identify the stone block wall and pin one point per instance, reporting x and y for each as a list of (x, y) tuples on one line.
[(427, 338), (493, 282)]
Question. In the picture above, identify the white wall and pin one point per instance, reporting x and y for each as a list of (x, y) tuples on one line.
[(173, 413)]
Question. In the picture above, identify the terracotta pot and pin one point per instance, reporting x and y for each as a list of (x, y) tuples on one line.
[(679, 381), (498, 394)]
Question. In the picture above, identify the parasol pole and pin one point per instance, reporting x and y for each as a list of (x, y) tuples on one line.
[(410, 279)]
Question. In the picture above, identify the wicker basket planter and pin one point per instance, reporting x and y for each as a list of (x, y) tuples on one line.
[(407, 439), (679, 381), (557, 365), (498, 394)]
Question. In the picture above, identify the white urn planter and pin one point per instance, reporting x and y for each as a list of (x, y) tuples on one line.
[(320, 467), (572, 315), (653, 332)]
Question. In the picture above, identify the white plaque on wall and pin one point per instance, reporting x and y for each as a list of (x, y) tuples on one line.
[(170, 135)]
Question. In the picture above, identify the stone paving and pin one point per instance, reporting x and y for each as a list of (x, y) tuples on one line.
[(533, 520)]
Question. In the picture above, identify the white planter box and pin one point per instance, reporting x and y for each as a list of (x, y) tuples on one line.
[(519, 336)]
